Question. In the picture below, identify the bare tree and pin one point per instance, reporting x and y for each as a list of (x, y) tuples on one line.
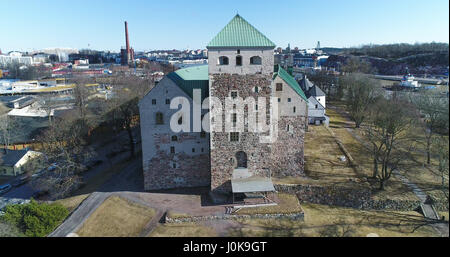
[(123, 108), (361, 92), (10, 130), (442, 144), (433, 109), (325, 81), (65, 148), (388, 127)]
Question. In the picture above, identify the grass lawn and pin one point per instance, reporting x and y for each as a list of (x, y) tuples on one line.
[(394, 188), (322, 220), (322, 164), (117, 217), (71, 203), (287, 203), (182, 230), (443, 213)]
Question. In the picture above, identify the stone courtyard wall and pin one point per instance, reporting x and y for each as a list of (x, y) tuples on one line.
[(353, 197)]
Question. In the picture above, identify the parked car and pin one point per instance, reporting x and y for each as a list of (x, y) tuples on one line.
[(22, 180), (5, 188)]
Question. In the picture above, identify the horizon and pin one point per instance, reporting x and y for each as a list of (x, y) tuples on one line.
[(193, 26)]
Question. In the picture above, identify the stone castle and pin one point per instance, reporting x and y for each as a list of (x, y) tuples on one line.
[(240, 66)]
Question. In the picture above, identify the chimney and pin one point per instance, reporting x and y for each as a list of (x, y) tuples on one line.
[(126, 37)]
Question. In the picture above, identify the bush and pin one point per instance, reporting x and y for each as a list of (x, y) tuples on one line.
[(34, 219)]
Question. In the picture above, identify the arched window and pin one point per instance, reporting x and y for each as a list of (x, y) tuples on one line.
[(223, 60), (255, 60), (238, 60), (159, 118)]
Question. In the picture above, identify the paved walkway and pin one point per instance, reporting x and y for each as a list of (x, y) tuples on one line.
[(77, 218)]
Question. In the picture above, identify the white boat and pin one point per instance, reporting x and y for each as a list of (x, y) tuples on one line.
[(409, 81)]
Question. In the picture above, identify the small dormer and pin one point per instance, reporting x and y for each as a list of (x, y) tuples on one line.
[(240, 48)]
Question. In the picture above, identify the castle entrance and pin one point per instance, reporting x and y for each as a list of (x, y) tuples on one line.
[(241, 158)]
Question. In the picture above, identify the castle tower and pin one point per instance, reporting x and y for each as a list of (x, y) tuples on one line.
[(240, 65)]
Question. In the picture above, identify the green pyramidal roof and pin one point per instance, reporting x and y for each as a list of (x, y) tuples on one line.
[(239, 33)]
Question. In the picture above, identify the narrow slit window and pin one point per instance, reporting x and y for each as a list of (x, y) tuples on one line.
[(238, 60)]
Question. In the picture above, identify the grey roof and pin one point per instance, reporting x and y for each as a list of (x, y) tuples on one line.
[(11, 157), (315, 91), (305, 84), (252, 184)]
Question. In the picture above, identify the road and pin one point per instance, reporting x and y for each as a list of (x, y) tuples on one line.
[(128, 182)]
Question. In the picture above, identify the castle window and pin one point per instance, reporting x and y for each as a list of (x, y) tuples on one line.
[(223, 60), (167, 101), (234, 136), (153, 101), (159, 118), (174, 138), (174, 165), (234, 94), (288, 128), (289, 100), (279, 100), (279, 87), (238, 60), (172, 149), (256, 89), (294, 109), (255, 60), (234, 117), (193, 150)]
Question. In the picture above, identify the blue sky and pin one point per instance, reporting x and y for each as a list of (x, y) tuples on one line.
[(166, 24)]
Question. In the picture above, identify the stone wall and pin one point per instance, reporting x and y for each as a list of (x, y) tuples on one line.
[(353, 197), (223, 151), (171, 170), (292, 216), (287, 157)]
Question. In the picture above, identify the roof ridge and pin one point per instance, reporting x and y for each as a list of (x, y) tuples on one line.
[(290, 81), (240, 33)]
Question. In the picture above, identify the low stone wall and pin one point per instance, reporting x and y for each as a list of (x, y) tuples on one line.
[(292, 216), (393, 205), (354, 197)]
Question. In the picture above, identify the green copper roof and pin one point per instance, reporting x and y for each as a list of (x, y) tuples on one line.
[(192, 78), (239, 33), (284, 75), (194, 73)]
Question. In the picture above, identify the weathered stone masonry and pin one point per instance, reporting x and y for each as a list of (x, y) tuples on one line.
[(222, 150), (189, 171)]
